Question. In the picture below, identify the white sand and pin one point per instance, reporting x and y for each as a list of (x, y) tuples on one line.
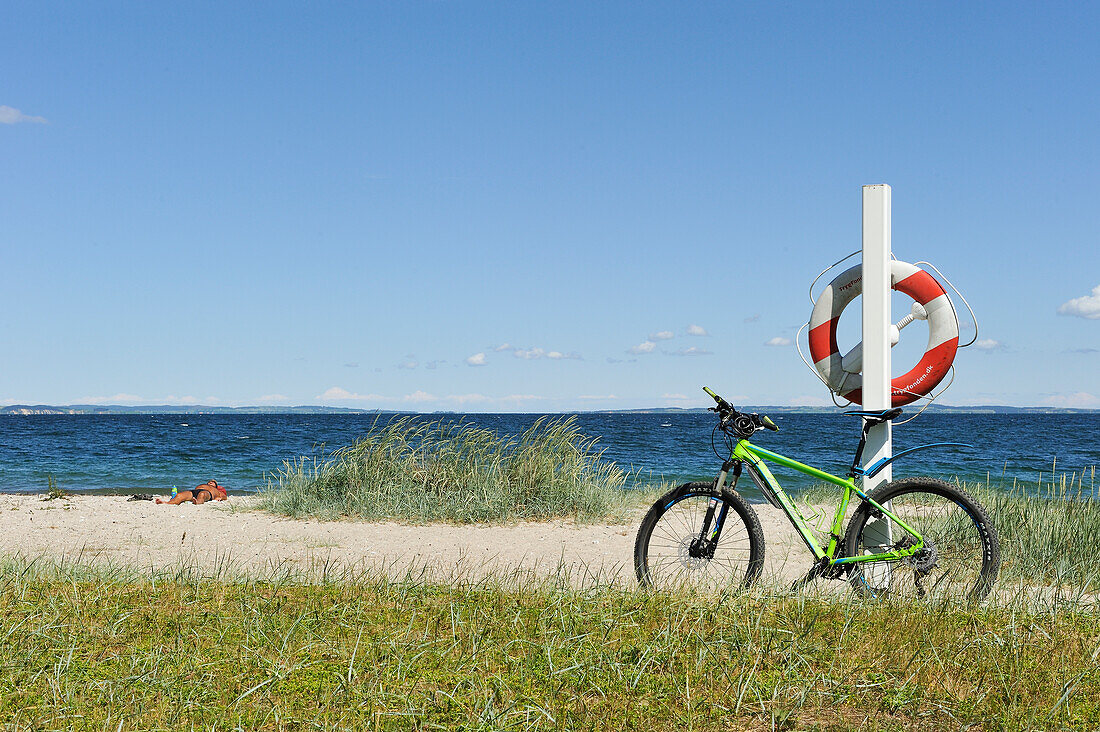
[(149, 536)]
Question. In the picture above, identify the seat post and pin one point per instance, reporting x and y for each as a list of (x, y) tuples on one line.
[(867, 423)]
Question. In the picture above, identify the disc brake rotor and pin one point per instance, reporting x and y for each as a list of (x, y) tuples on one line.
[(688, 558)]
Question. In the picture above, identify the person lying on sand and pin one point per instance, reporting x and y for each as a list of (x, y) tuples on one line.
[(208, 491)]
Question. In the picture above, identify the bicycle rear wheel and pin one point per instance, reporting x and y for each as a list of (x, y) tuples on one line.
[(961, 556), (675, 549)]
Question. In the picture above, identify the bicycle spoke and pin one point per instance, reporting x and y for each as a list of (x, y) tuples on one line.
[(951, 565), (669, 554)]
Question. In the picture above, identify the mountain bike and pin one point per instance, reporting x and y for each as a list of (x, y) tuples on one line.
[(910, 538)]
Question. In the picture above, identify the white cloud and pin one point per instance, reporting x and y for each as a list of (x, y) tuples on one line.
[(478, 359), (662, 335), (643, 347), (1079, 400), (336, 394), (531, 354), (119, 398), (466, 398), (518, 399), (684, 401), (596, 397), (1086, 306), (808, 401), (11, 116), (352, 365), (697, 330), (778, 341), (988, 345), (171, 399), (504, 347), (189, 400), (693, 351), (269, 398), (422, 399), (408, 365)]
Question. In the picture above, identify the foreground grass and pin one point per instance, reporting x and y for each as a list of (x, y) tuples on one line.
[(418, 471), (83, 648)]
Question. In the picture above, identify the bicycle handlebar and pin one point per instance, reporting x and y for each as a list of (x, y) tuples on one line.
[(721, 402), (728, 412)]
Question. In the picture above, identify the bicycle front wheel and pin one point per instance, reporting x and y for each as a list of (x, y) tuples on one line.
[(961, 554), (697, 537)]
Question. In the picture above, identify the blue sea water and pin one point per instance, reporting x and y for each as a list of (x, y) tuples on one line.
[(122, 454)]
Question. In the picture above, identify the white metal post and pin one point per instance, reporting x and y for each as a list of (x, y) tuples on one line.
[(876, 357), (876, 322)]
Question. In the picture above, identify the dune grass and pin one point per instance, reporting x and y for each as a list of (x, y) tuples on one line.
[(1048, 532), (1048, 535), (421, 471), (93, 648)]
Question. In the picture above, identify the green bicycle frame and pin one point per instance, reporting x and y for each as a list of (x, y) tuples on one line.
[(751, 455)]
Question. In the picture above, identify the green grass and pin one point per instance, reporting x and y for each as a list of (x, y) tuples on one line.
[(418, 471), (53, 490), (102, 649), (1048, 537), (1049, 534)]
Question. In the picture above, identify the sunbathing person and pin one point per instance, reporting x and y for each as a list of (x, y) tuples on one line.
[(208, 491)]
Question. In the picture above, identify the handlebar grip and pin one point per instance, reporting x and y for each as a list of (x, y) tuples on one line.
[(722, 403), (767, 422)]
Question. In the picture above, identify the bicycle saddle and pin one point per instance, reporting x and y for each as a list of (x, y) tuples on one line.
[(882, 415)]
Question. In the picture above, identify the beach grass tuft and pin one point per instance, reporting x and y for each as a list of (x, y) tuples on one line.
[(414, 470), (1048, 536), (53, 490), (1048, 531)]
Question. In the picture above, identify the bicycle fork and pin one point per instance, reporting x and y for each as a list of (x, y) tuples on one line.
[(703, 546)]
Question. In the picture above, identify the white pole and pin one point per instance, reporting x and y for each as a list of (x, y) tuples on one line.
[(876, 357), (876, 323)]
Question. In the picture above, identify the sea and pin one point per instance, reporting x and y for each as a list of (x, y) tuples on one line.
[(122, 454)]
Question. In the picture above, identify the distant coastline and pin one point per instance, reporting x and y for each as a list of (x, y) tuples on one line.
[(79, 409)]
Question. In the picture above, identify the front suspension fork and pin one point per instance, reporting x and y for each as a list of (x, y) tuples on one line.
[(711, 529)]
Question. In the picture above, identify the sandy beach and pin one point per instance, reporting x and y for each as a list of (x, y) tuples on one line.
[(147, 536)]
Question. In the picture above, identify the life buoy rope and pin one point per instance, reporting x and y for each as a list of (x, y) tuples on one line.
[(842, 372)]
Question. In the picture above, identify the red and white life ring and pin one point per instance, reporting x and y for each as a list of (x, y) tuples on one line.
[(933, 303)]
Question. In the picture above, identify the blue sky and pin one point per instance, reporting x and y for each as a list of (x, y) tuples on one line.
[(531, 206)]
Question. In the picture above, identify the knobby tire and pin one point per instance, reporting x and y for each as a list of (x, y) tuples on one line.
[(662, 551)]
